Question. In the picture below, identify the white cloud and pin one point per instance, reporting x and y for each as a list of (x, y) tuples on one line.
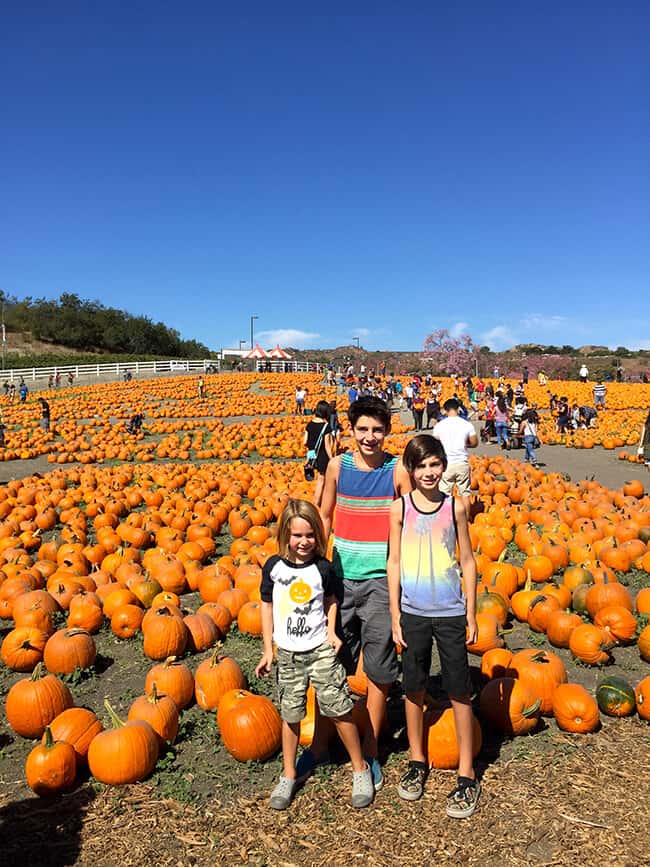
[(286, 337), (458, 328), (361, 332), (499, 337), (540, 321)]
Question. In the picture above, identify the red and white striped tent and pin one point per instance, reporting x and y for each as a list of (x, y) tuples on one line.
[(279, 353), (256, 352)]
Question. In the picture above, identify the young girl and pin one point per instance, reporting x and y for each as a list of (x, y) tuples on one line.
[(299, 605), (427, 602), (528, 430)]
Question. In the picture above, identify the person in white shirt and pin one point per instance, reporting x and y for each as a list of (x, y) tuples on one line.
[(456, 435), (583, 373)]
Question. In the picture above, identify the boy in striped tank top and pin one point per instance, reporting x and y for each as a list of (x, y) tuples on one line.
[(359, 489), (426, 602)]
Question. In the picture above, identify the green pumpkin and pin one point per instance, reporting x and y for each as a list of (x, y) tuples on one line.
[(615, 697)]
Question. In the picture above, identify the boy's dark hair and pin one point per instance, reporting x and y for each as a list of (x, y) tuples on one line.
[(451, 404), (323, 410), (421, 447), (373, 407)]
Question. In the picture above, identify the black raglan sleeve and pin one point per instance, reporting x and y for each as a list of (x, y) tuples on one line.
[(266, 589), (332, 584)]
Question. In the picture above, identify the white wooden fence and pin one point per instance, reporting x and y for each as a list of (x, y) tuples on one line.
[(116, 368), (120, 368)]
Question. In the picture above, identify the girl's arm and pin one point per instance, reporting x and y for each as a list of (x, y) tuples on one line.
[(265, 663), (393, 569), (304, 438), (468, 568), (328, 444), (331, 605)]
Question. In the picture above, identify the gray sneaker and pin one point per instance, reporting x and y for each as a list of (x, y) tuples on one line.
[(363, 790), (283, 794)]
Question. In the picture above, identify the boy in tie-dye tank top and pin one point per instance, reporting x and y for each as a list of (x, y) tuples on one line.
[(427, 601)]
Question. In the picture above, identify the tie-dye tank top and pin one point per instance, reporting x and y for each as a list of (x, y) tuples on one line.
[(362, 519), (430, 575)]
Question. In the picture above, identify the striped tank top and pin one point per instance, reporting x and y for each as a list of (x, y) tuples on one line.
[(361, 526), (430, 575)]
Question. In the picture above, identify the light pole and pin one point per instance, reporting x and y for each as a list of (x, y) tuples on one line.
[(357, 341), (253, 318), (241, 343)]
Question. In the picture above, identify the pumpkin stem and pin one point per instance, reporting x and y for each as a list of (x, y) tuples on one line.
[(169, 661), (38, 671), (153, 697), (117, 722), (530, 711), (49, 740), (540, 656), (215, 655)]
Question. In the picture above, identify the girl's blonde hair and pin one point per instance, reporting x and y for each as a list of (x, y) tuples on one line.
[(308, 512)]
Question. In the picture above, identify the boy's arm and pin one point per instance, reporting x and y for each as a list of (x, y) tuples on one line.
[(329, 494), (393, 569), (265, 663), (402, 480), (468, 568)]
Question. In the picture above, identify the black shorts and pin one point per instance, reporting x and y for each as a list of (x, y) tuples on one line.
[(449, 633)]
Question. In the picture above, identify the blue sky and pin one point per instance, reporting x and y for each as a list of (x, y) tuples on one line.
[(373, 169)]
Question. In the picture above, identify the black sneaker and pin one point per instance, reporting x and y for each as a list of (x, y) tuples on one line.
[(462, 802), (411, 785)]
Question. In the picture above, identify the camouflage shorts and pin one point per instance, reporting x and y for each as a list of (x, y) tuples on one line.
[(323, 668)]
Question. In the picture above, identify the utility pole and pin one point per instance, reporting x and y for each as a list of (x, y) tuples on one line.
[(4, 335)]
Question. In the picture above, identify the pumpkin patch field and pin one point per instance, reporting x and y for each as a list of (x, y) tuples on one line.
[(133, 729)]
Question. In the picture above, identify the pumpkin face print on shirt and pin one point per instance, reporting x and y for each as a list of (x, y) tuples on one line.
[(300, 592)]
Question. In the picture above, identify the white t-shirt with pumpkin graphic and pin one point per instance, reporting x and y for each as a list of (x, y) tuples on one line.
[(297, 591)]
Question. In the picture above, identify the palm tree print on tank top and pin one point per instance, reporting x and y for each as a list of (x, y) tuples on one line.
[(430, 574)]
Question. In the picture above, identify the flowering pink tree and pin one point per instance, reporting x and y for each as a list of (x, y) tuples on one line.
[(448, 354)]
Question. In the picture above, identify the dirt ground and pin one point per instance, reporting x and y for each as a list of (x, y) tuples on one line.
[(548, 798)]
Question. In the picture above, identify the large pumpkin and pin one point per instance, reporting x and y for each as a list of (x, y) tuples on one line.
[(76, 726), (250, 725), (442, 740), (488, 634), (618, 621), (214, 678), (125, 754), (510, 706), (165, 634), (22, 648), (642, 695), (643, 643), (615, 696), (51, 767), (32, 703), (542, 671), (160, 711), (574, 709), (171, 677), (69, 649), (590, 644), (560, 625)]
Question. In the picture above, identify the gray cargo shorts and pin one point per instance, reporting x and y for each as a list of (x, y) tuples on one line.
[(366, 625)]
